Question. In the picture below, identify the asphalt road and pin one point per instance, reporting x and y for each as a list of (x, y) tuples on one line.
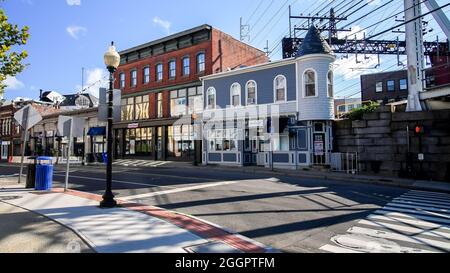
[(289, 214)]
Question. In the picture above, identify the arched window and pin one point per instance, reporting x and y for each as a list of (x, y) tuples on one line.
[(330, 81), (309, 79), (235, 94), (280, 89), (211, 100), (251, 92)]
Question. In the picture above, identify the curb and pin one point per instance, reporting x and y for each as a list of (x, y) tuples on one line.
[(200, 227)]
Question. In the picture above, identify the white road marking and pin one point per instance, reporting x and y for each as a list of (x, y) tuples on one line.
[(420, 204), (419, 207), (400, 237), (422, 217), (421, 200), (337, 249), (433, 233), (429, 198), (178, 190), (423, 212), (411, 221)]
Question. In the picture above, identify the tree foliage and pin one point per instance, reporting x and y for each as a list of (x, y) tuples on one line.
[(358, 113), (11, 59)]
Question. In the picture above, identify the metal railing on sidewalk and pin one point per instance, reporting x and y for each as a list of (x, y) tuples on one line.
[(345, 163)]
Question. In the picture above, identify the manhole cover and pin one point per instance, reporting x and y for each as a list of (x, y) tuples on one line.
[(9, 197), (367, 244), (212, 247)]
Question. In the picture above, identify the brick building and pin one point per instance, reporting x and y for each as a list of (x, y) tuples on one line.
[(385, 87), (160, 82)]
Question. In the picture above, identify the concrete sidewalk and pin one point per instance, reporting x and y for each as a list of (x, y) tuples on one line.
[(130, 228)]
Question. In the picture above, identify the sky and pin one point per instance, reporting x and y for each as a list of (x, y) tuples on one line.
[(68, 35)]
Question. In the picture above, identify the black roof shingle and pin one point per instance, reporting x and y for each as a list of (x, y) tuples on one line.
[(313, 44)]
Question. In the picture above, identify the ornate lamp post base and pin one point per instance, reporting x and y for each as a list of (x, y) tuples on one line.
[(108, 201)]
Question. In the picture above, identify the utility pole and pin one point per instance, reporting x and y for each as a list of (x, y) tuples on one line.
[(266, 49), (244, 31), (415, 53)]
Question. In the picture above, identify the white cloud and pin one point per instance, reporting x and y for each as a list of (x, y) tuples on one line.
[(350, 69), (73, 2), (95, 79), (13, 83), (76, 31), (163, 24)]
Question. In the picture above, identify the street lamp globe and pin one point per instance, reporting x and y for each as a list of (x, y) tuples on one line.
[(112, 58)]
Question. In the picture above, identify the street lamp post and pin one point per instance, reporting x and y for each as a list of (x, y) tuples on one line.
[(112, 60)]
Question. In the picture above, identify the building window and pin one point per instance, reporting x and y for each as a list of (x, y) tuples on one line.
[(201, 63), (186, 66), (127, 109), (379, 87), (351, 107), (122, 80), (330, 84), (211, 100), (222, 140), (235, 92), (309, 79), (390, 86), (178, 103), (280, 88), (133, 78), (251, 89), (160, 105), (172, 69), (146, 75), (141, 107), (159, 72), (403, 84), (195, 100), (341, 108)]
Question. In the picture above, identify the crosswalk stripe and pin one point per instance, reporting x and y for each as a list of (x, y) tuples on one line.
[(445, 195), (400, 237), (337, 249), (445, 219), (401, 228), (413, 222), (421, 200), (417, 206), (430, 198), (422, 217), (421, 204)]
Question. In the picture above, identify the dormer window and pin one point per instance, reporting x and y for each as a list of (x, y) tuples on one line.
[(235, 94), (280, 89), (309, 79), (251, 92)]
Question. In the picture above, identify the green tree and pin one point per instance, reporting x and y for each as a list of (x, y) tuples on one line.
[(11, 59)]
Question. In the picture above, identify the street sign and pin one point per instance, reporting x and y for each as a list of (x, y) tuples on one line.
[(27, 117), (64, 124), (70, 127), (103, 104)]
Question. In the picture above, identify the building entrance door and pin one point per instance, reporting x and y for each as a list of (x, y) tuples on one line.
[(159, 143), (261, 156)]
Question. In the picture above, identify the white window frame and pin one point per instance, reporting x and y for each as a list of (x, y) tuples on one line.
[(231, 94), (376, 87), (316, 88), (330, 82), (211, 89), (246, 92), (275, 89)]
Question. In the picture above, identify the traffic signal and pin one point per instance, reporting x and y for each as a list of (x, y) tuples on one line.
[(419, 130)]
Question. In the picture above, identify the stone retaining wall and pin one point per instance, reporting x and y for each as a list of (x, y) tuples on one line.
[(381, 139)]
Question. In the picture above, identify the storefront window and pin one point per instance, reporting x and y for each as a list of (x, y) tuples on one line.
[(139, 141), (178, 103), (160, 105), (195, 100), (223, 140), (181, 141), (127, 109), (142, 107)]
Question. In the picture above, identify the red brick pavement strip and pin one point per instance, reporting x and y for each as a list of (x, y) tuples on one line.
[(195, 226)]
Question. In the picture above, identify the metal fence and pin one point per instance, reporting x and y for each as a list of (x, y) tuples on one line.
[(345, 162)]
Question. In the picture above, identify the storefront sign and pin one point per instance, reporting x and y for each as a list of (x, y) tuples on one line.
[(318, 148), (133, 126)]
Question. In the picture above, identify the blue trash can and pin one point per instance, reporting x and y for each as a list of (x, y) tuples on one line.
[(44, 173)]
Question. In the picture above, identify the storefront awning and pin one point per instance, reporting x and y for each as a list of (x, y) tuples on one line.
[(97, 131)]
